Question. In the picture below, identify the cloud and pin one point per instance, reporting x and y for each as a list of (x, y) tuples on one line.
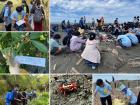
[(110, 9)]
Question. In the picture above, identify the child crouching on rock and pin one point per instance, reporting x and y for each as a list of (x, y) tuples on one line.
[(91, 52), (129, 94)]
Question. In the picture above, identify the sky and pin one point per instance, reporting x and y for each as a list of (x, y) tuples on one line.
[(72, 10), (116, 76)]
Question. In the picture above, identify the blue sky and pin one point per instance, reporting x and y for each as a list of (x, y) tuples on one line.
[(116, 76), (72, 10)]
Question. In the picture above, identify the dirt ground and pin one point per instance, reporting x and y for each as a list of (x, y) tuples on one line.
[(113, 60), (118, 98), (83, 95)]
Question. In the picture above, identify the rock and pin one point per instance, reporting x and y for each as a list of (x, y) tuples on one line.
[(115, 52)]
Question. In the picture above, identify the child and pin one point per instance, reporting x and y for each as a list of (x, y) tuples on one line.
[(76, 42), (91, 52), (7, 14), (136, 31), (54, 44), (25, 6), (117, 30), (38, 16), (124, 41), (129, 94), (9, 97), (18, 14), (105, 91), (133, 38), (81, 23), (15, 91)]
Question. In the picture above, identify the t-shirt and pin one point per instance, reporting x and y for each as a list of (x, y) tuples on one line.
[(133, 38), (133, 97), (53, 44), (18, 16), (104, 91), (125, 40)]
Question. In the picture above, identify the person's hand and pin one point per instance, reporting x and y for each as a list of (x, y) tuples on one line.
[(43, 17)]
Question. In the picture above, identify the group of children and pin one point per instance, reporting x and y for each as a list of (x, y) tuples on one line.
[(17, 97), (77, 42), (24, 17), (130, 39), (105, 91), (86, 41)]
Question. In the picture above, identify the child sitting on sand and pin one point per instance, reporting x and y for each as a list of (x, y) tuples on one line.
[(136, 31), (54, 44), (124, 41), (91, 52), (104, 91), (128, 94), (76, 42), (133, 38)]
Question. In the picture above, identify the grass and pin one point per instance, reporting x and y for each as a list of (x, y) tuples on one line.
[(43, 99)]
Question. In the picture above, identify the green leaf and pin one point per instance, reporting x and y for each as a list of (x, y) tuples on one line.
[(16, 35), (41, 47), (20, 47), (3, 35), (35, 35)]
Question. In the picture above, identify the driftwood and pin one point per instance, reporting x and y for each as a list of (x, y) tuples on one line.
[(134, 59), (74, 70), (79, 61), (115, 52), (134, 64), (54, 67)]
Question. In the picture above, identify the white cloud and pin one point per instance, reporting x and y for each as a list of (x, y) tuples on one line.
[(110, 9)]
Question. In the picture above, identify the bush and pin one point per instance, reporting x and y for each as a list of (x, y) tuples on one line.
[(43, 99)]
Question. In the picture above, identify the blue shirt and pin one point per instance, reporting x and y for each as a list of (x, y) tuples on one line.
[(133, 97), (81, 22), (125, 40), (133, 38), (7, 14), (104, 91), (18, 16), (9, 97), (53, 44)]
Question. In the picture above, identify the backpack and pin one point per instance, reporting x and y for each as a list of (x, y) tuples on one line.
[(38, 14), (2, 15)]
